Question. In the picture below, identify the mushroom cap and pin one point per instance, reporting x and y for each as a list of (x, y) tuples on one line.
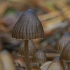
[(39, 57), (56, 64), (45, 65), (28, 26), (31, 47), (65, 55), (62, 42)]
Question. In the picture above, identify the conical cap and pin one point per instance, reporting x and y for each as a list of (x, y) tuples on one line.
[(65, 55), (62, 42), (56, 64), (45, 65), (28, 26), (31, 47), (39, 57)]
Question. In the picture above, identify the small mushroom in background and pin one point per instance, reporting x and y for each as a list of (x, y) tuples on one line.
[(65, 55), (39, 57), (45, 65), (7, 60), (28, 27), (62, 42), (31, 47), (56, 64)]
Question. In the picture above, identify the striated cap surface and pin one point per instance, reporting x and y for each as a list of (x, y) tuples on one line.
[(65, 55), (40, 57), (31, 47), (56, 64), (62, 42), (28, 26)]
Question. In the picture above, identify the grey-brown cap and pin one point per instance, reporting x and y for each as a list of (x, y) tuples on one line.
[(39, 57), (31, 47), (28, 26), (62, 42), (56, 64), (45, 65), (65, 55)]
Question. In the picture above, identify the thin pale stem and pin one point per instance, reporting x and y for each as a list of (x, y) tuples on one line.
[(26, 53)]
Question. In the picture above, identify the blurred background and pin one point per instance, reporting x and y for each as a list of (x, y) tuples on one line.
[(53, 14)]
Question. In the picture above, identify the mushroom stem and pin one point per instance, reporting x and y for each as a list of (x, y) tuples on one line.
[(68, 65), (26, 54)]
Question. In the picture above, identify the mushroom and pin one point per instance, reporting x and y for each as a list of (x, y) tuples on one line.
[(28, 27), (45, 65), (65, 55), (56, 64), (39, 57), (7, 60), (31, 47), (62, 42)]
